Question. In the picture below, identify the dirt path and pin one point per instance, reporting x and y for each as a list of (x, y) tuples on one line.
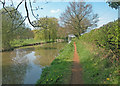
[(76, 69)]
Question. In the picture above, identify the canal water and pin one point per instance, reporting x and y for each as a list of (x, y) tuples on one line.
[(24, 65)]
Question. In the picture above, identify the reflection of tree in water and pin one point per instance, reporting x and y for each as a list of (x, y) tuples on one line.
[(27, 48), (45, 54), (13, 74), (14, 69), (16, 63)]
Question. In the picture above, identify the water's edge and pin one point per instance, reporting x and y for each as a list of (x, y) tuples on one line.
[(24, 65)]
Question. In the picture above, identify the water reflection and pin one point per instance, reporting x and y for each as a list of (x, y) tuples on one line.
[(45, 54), (12, 70), (24, 65)]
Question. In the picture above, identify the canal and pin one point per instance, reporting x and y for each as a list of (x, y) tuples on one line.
[(24, 65)]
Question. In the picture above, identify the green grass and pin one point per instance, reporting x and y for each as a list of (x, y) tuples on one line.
[(96, 64), (59, 72), (22, 42)]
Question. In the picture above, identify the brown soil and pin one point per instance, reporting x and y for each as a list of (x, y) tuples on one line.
[(76, 69)]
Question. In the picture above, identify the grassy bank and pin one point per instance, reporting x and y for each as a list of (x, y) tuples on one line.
[(59, 72), (23, 42), (98, 51), (99, 54), (99, 65)]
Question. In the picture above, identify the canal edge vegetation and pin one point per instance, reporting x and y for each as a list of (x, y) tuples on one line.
[(106, 40), (99, 54), (26, 42), (100, 63), (45, 28), (15, 36), (59, 72), (96, 65)]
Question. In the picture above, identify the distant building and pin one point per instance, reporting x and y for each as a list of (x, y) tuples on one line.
[(70, 36)]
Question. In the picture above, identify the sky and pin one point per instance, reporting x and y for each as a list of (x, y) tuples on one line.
[(54, 9)]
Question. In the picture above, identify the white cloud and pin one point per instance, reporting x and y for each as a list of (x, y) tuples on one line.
[(55, 11)]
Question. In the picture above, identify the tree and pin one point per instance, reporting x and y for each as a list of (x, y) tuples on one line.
[(13, 28), (10, 26), (63, 32), (26, 3), (26, 33), (39, 34), (49, 26), (116, 37), (79, 16), (113, 4)]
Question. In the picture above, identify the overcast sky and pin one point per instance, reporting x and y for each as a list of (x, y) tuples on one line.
[(54, 9)]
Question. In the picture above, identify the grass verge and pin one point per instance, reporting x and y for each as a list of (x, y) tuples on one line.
[(22, 42), (99, 65), (59, 72)]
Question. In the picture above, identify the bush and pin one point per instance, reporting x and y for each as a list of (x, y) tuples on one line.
[(107, 37)]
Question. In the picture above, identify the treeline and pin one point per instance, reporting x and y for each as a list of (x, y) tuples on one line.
[(15, 32), (48, 29), (13, 28), (107, 36)]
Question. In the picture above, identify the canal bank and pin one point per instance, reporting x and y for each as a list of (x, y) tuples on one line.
[(24, 65), (20, 43), (33, 44), (92, 59), (59, 72)]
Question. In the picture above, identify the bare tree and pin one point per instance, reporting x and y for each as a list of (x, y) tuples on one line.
[(79, 16)]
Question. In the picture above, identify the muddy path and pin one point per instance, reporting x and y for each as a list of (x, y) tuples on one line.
[(76, 69)]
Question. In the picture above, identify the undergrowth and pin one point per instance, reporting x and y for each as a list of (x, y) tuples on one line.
[(98, 67)]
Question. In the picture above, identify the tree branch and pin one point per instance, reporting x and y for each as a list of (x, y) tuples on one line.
[(3, 3), (28, 16), (32, 9), (15, 8), (19, 4), (19, 24)]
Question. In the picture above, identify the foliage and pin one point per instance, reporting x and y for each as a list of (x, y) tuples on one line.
[(8, 25), (62, 32), (48, 29), (23, 42), (59, 72), (39, 34), (98, 67), (12, 27), (26, 33), (114, 4), (98, 50), (79, 16), (106, 37)]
